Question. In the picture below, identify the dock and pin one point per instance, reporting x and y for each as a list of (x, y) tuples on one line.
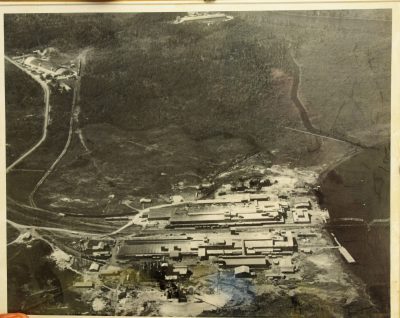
[(347, 256), (345, 253)]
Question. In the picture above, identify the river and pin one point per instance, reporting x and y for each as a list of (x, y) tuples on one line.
[(360, 188)]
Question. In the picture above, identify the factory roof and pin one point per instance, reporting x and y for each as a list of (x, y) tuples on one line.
[(180, 270), (202, 252), (259, 196), (286, 266), (174, 254), (155, 248), (46, 66), (244, 260), (301, 216), (241, 269), (197, 218), (159, 214), (94, 267), (83, 284), (171, 277)]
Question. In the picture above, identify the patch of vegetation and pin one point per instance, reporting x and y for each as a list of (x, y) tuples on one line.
[(36, 279), (27, 32), (24, 112), (345, 79), (12, 233)]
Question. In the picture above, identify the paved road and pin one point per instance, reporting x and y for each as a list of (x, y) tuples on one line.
[(46, 91)]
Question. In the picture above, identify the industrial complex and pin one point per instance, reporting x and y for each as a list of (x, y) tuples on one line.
[(260, 225), (58, 73), (252, 229)]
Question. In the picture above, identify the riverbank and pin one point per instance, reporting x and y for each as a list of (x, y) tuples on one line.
[(360, 188)]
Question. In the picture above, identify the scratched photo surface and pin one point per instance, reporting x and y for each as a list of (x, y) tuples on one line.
[(199, 163)]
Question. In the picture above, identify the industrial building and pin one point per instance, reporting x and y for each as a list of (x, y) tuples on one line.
[(301, 216), (244, 260), (142, 249), (286, 266), (243, 272), (47, 68), (181, 270), (94, 267), (274, 243), (303, 205), (159, 214), (84, 285), (253, 213)]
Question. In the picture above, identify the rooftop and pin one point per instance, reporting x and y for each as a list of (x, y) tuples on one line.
[(244, 260)]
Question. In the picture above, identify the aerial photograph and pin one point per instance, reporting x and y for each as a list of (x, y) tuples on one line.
[(214, 164)]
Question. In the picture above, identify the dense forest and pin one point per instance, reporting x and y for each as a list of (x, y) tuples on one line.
[(26, 32), (24, 112), (207, 79), (144, 71)]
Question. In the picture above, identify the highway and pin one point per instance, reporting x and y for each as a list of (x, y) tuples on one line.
[(46, 92)]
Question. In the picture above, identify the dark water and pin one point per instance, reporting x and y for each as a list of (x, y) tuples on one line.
[(360, 188)]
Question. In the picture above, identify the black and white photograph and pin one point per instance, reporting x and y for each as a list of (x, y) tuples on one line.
[(198, 163)]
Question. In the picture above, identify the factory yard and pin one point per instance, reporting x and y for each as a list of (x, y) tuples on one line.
[(244, 240)]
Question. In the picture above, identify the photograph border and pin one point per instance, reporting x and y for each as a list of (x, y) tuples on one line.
[(232, 5)]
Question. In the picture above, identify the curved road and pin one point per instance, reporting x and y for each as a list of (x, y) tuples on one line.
[(46, 91), (75, 100)]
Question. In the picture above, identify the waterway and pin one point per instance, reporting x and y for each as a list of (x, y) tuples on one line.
[(360, 188)]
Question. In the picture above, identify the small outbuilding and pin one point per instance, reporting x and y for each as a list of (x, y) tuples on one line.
[(180, 270), (177, 199), (171, 277), (242, 272), (84, 285), (94, 267)]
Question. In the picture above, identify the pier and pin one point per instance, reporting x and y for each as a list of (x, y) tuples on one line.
[(345, 253)]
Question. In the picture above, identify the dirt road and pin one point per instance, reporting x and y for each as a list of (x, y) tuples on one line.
[(75, 102), (46, 91)]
